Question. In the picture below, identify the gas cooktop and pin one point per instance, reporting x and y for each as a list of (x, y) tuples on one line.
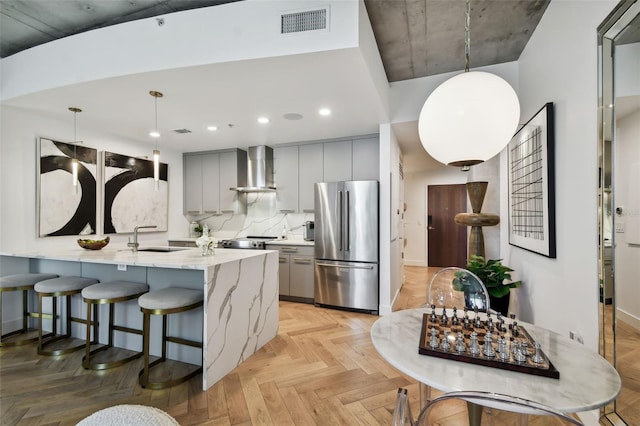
[(248, 242)]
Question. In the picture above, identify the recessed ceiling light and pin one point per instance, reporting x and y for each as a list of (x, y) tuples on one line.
[(154, 134), (324, 111), (212, 128), (292, 116), (263, 120)]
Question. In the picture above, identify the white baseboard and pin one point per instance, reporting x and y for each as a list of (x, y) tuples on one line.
[(414, 263), (627, 318)]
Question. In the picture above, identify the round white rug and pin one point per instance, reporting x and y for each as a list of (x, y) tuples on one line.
[(129, 415)]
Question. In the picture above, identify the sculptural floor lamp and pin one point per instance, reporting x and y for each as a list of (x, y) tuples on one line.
[(476, 220)]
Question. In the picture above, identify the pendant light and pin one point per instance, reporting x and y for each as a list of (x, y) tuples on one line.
[(156, 135), (469, 118), (74, 160)]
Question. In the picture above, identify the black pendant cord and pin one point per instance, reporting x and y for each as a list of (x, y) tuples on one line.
[(467, 35)]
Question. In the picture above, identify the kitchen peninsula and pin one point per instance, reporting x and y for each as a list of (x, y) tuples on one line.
[(240, 294)]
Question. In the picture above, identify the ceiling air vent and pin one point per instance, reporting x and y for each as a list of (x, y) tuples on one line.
[(183, 131), (303, 21)]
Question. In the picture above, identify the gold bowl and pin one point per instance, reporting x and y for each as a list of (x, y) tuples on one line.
[(93, 244)]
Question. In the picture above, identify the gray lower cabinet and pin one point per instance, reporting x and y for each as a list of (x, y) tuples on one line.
[(295, 272)]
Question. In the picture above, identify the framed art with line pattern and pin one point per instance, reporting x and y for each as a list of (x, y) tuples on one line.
[(531, 181)]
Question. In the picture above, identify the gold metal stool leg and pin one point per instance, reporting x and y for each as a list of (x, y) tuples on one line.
[(49, 338), (25, 321), (144, 375), (86, 361)]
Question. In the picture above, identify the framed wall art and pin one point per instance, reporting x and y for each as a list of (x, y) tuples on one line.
[(62, 208), (130, 198), (531, 184)]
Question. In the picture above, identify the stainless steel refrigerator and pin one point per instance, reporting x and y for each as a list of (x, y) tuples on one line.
[(346, 244)]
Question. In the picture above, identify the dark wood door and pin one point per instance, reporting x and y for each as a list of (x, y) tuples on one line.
[(447, 241)]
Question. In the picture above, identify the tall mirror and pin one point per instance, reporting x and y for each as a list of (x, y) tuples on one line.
[(619, 208)]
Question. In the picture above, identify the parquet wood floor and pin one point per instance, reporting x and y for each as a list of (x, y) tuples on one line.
[(321, 369)]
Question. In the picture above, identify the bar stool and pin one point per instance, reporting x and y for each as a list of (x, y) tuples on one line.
[(62, 286), (109, 293), (171, 300), (24, 283)]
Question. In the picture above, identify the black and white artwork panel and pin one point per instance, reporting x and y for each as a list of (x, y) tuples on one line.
[(130, 197), (63, 209)]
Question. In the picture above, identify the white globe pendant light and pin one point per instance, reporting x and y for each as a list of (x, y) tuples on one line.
[(469, 118)]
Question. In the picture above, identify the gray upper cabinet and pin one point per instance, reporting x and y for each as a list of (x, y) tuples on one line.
[(286, 177), (310, 171), (366, 159), (233, 172), (192, 184), (207, 179), (210, 188), (337, 161)]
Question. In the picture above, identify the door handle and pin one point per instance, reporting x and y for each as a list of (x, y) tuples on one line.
[(430, 227)]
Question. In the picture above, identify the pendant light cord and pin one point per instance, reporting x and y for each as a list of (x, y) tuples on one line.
[(75, 139), (467, 35)]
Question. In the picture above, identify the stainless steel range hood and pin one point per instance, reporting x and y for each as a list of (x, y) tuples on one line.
[(259, 170)]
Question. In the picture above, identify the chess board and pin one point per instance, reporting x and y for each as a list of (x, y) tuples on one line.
[(511, 348)]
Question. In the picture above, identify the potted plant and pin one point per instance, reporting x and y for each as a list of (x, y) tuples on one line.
[(496, 277)]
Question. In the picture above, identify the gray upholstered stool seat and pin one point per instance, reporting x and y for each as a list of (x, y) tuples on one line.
[(109, 293), (164, 302), (55, 287), (24, 283)]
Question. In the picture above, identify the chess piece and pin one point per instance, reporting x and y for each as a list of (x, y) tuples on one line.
[(537, 357), (433, 342), (474, 348), (488, 350), (454, 317), (443, 318), (476, 321), (514, 329), (465, 323), (433, 314), (502, 349), (519, 355), (460, 348), (445, 345)]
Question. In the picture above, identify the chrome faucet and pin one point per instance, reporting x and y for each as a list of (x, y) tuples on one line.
[(134, 245)]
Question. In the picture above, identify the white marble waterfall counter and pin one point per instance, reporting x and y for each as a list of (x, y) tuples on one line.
[(240, 291)]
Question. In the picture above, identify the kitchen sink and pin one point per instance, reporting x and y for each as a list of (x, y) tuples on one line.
[(163, 249)]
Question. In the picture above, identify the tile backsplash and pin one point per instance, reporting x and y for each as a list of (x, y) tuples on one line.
[(262, 218)]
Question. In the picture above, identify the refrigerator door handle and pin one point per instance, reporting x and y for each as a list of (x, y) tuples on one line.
[(340, 211), (348, 219), (333, 265)]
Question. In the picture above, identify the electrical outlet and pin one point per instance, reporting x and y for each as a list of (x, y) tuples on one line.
[(575, 336), (122, 267), (619, 227)]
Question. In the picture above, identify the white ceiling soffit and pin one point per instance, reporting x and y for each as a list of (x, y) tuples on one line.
[(233, 94)]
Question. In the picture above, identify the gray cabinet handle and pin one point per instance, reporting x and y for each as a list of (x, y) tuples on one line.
[(227, 211), (302, 260), (290, 249), (283, 259)]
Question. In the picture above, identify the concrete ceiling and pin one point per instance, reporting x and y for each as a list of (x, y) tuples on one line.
[(415, 38)]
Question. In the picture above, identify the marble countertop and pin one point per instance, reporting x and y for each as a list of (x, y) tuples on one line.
[(587, 381), (189, 258)]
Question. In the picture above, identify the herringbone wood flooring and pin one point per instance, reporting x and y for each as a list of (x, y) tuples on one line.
[(321, 369)]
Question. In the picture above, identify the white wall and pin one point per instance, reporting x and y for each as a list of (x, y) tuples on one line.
[(559, 64), (415, 218), (390, 267), (18, 167), (627, 256)]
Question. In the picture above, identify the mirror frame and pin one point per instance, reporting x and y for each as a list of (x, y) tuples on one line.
[(624, 12)]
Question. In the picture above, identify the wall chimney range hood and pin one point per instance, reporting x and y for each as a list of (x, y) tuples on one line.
[(259, 170)]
